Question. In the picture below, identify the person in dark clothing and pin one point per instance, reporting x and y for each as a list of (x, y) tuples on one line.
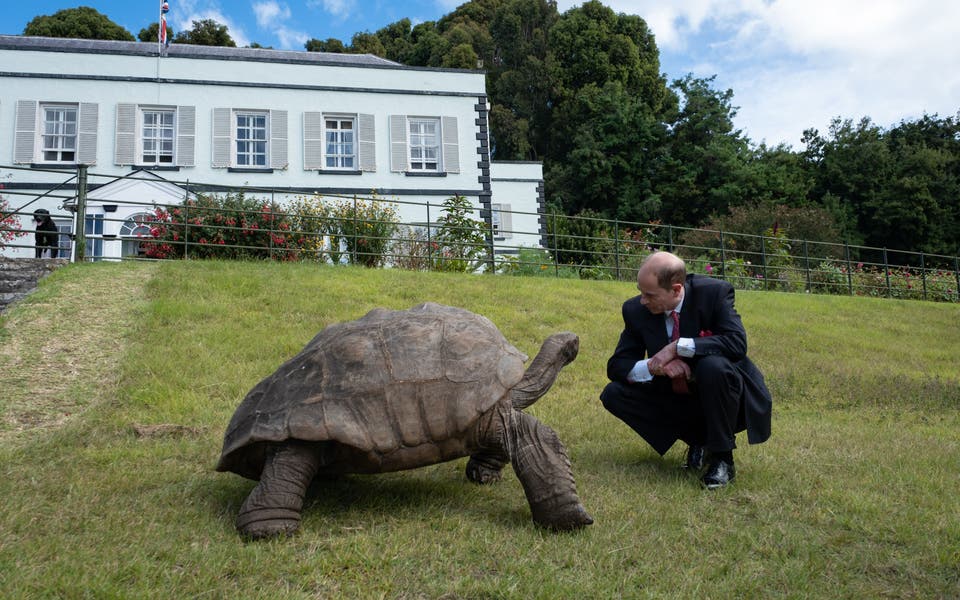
[(680, 369), (46, 236)]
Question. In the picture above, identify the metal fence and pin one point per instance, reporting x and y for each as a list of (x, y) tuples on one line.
[(214, 222)]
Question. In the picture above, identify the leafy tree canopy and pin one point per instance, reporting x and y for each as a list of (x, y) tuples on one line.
[(82, 22), (206, 32)]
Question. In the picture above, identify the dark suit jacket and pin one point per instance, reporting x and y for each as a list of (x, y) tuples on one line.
[(708, 315)]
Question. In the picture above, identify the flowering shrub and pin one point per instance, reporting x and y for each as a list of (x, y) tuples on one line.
[(365, 228), (314, 229), (412, 249), (9, 223), (459, 243), (229, 227)]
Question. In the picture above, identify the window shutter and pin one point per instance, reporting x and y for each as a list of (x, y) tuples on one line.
[(399, 158), (221, 137), (451, 147), (125, 144), (367, 137), (312, 141), (506, 221), (87, 133), (186, 136), (278, 139), (26, 132)]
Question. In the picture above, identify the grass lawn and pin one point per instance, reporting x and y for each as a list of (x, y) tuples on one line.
[(856, 495)]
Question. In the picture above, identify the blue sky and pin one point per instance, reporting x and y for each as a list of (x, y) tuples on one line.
[(792, 64)]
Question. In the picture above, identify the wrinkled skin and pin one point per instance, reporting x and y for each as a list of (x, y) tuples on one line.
[(501, 433)]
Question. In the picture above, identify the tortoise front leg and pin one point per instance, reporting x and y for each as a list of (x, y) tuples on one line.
[(541, 463), (273, 507)]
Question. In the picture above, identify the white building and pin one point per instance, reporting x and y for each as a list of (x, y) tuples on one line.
[(198, 118)]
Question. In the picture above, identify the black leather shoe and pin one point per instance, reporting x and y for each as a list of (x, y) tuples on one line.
[(696, 458), (719, 474)]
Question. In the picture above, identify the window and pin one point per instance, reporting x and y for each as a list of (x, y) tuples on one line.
[(93, 230), (251, 138), (134, 231), (65, 227), (59, 140), (341, 143), (156, 137), (245, 140), (424, 145), (55, 133), (340, 150)]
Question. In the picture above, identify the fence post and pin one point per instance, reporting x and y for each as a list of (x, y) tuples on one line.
[(723, 257), (556, 247), (429, 240), (846, 252), (806, 264), (670, 238), (923, 275), (616, 247), (763, 260), (956, 274), (81, 226), (186, 230), (353, 252), (886, 271)]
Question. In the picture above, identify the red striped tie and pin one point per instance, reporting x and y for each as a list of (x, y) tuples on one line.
[(680, 383)]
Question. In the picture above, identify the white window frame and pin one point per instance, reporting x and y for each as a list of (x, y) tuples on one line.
[(65, 231), (93, 232), (236, 140), (142, 137), (336, 161), (419, 145), (42, 148)]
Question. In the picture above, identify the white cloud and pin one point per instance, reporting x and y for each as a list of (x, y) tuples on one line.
[(270, 13), (337, 8)]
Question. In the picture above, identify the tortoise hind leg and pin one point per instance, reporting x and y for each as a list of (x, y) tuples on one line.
[(273, 507), (486, 467), (541, 463)]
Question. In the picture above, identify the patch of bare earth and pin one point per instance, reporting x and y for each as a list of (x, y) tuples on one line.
[(60, 349)]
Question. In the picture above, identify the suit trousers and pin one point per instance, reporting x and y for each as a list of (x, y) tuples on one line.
[(710, 415)]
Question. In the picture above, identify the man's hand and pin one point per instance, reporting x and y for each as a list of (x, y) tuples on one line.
[(659, 360), (677, 368)]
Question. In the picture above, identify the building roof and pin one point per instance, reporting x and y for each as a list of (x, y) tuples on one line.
[(46, 44)]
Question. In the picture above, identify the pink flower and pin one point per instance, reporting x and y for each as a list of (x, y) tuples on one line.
[(709, 268)]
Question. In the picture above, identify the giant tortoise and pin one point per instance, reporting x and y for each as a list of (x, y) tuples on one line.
[(397, 390)]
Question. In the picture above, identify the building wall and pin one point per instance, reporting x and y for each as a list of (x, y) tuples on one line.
[(112, 74)]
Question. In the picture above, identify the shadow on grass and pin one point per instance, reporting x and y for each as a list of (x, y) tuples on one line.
[(345, 502)]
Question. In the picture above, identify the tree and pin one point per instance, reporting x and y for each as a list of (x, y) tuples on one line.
[(149, 33), (206, 32), (367, 43), (82, 22), (328, 45)]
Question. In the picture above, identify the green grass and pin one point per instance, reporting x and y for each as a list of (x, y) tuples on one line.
[(854, 496)]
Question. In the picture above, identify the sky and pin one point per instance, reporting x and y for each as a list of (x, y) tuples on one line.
[(792, 64)]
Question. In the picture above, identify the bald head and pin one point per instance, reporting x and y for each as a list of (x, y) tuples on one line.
[(665, 267)]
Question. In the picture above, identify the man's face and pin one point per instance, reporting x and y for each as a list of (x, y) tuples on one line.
[(655, 298)]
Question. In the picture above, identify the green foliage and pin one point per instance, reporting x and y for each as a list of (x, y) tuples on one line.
[(229, 226), (206, 32), (329, 45), (150, 33), (9, 222), (365, 228), (460, 242), (82, 22)]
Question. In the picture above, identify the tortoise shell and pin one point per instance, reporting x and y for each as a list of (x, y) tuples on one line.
[(392, 390)]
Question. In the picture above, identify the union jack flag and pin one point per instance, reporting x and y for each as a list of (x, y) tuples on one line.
[(164, 8)]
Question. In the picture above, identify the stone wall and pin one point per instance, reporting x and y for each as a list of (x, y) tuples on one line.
[(19, 276)]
